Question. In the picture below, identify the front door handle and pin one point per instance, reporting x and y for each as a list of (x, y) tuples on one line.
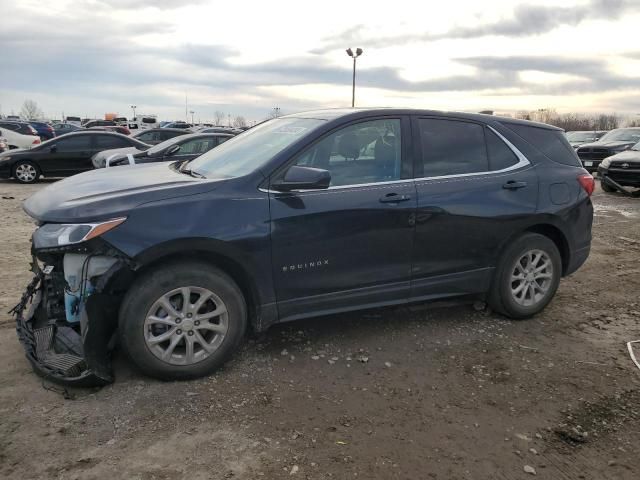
[(513, 185), (394, 198)]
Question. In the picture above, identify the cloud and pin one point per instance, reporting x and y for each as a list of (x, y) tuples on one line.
[(526, 20), (139, 4)]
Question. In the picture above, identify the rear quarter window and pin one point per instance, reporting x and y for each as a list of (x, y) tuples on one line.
[(552, 144)]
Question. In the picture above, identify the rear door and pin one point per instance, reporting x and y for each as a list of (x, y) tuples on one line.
[(474, 191)]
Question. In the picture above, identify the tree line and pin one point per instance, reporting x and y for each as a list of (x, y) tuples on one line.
[(576, 121)]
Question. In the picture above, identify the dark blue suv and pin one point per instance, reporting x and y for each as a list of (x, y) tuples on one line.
[(304, 215)]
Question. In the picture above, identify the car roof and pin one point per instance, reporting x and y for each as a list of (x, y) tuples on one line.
[(355, 113)]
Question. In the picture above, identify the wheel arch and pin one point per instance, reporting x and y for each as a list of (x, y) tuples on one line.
[(217, 254), (558, 237)]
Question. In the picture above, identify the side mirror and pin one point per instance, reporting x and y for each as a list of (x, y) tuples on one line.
[(303, 178), (172, 150)]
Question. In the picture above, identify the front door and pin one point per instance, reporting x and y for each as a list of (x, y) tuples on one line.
[(350, 245), (474, 192), (68, 155)]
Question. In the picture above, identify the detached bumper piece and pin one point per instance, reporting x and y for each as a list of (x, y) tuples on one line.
[(57, 350)]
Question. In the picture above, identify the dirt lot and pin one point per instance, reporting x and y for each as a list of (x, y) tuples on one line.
[(418, 393)]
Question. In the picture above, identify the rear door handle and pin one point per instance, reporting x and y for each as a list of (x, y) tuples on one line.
[(394, 198), (513, 185)]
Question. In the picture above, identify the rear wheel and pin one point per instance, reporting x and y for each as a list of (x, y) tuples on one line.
[(26, 171), (181, 321), (606, 187), (527, 277)]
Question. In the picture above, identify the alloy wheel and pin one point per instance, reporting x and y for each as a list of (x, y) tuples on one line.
[(531, 278), (26, 172), (186, 325)]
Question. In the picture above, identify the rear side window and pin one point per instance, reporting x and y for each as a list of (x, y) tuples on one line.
[(552, 143), (500, 155), (452, 147), (107, 142)]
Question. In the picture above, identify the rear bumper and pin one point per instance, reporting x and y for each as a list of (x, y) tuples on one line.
[(577, 259)]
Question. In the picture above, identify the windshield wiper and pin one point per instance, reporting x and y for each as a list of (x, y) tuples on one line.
[(192, 173)]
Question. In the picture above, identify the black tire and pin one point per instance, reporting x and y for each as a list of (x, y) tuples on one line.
[(153, 285), (501, 298), (606, 187), (29, 166)]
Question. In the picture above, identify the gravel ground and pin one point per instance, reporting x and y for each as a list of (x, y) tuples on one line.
[(439, 391)]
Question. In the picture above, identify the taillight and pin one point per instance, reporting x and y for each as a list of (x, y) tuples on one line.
[(587, 182), (36, 141)]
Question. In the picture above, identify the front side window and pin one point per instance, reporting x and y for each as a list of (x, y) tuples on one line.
[(73, 144), (451, 147), (107, 142), (197, 146), (366, 152)]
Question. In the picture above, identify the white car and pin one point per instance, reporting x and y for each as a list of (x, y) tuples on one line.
[(19, 135)]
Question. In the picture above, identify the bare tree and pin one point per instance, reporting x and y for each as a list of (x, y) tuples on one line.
[(30, 110), (218, 116), (239, 121)]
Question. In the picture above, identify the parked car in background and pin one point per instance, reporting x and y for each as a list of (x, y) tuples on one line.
[(621, 170), (60, 157), (577, 138), (4, 145), (183, 125), (99, 159), (19, 134), (123, 130), (182, 148), (309, 214), (232, 131), (99, 123), (143, 122), (155, 136), (45, 130), (615, 141), (77, 121), (62, 128)]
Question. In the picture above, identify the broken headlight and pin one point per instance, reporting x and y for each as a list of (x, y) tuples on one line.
[(51, 235)]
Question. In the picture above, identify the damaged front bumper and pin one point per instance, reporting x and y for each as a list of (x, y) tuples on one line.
[(72, 354)]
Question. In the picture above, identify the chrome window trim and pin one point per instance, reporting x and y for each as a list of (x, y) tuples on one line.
[(522, 162)]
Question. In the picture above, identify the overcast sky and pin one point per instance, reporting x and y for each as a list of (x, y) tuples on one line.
[(88, 57)]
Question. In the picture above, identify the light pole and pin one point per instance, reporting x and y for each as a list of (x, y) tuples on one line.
[(133, 107), (191, 112), (353, 55)]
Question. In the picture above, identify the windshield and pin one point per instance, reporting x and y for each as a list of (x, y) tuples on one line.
[(243, 154), (582, 136), (622, 135), (161, 146)]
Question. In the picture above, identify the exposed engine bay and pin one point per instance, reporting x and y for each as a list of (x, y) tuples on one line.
[(67, 318)]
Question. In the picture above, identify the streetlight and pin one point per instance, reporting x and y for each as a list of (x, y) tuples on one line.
[(353, 88), (191, 112), (133, 107)]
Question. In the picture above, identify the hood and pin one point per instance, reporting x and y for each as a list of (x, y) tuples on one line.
[(626, 156), (610, 145), (111, 192)]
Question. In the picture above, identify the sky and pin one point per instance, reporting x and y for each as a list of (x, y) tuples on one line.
[(90, 57)]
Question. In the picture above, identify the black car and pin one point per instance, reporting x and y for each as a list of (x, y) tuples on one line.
[(182, 125), (621, 170), (304, 215), (580, 137), (154, 136), (60, 157), (182, 148), (616, 141)]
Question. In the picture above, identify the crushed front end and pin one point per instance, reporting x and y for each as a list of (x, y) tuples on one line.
[(67, 317)]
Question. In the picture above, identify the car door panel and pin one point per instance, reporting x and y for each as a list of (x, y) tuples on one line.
[(344, 247), (461, 222)]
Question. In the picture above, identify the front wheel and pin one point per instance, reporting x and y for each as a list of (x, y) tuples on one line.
[(26, 172), (527, 277), (182, 320)]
